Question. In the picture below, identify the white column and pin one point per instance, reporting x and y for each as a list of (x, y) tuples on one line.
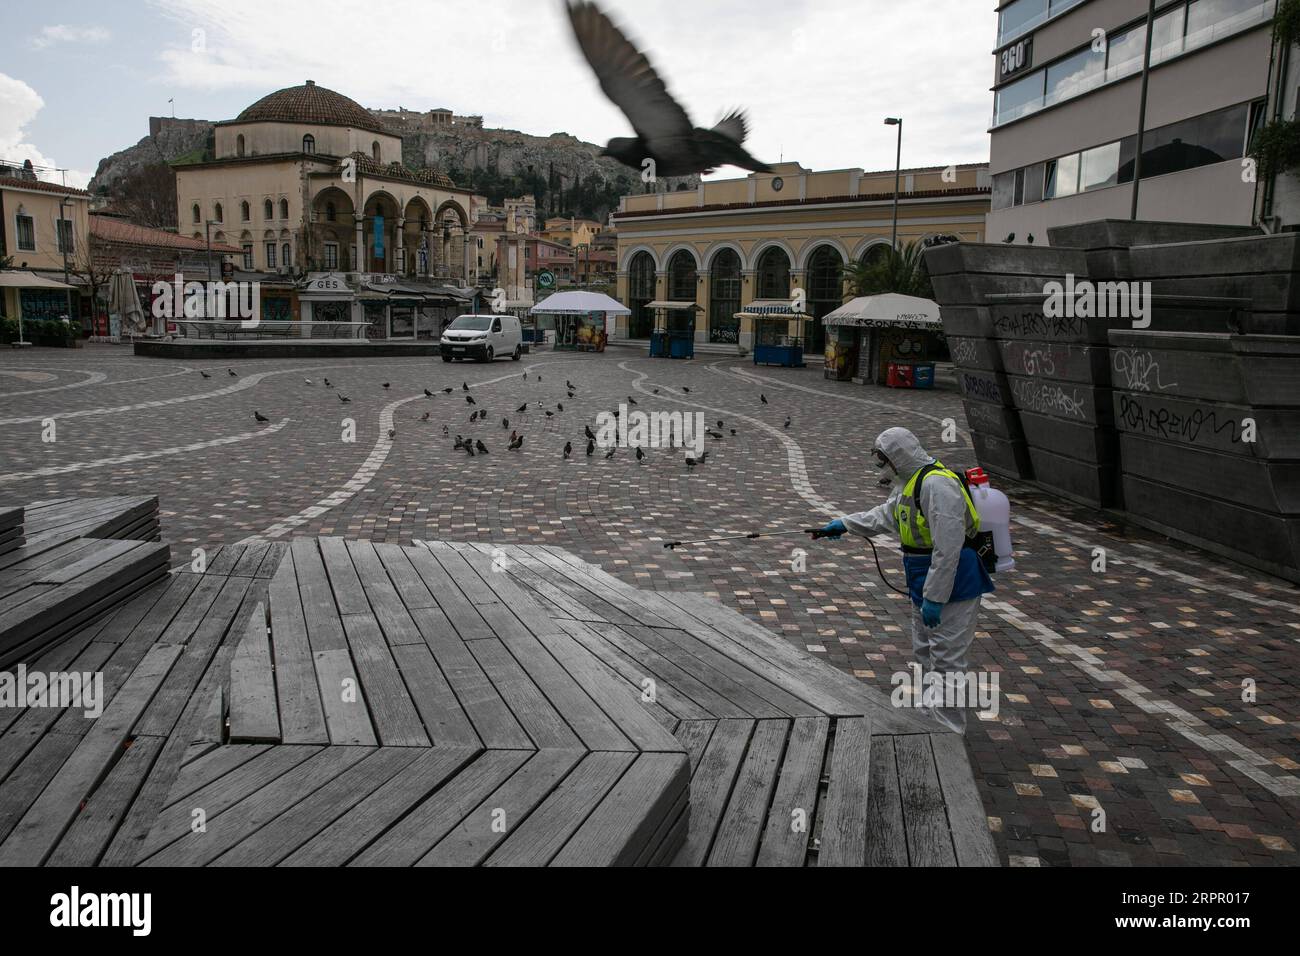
[(400, 262)]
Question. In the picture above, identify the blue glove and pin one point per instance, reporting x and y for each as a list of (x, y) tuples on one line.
[(834, 529), (931, 612)]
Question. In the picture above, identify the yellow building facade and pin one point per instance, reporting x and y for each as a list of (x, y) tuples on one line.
[(731, 243), (39, 222)]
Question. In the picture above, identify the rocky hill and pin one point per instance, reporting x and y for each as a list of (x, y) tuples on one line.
[(566, 175)]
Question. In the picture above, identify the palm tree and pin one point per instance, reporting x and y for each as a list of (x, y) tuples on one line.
[(894, 270)]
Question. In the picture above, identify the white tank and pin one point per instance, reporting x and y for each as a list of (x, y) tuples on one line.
[(995, 515)]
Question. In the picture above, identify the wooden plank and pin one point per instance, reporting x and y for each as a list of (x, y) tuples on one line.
[(130, 836), (505, 809), (711, 786), (604, 602), (302, 714), (210, 767), (307, 571), (306, 818), (271, 563), (353, 831), (461, 571), (254, 716), (794, 804), (541, 836), (618, 594), (570, 698), (457, 608), (444, 719), (397, 722), (609, 693), (544, 724), (44, 823), (929, 841), (213, 728), (844, 810), (492, 719), (968, 822), (343, 700), (662, 695), (29, 778), (737, 838), (619, 828), (224, 562), (531, 573), (886, 836), (98, 820), (433, 819), (385, 603), (93, 558), (684, 680), (408, 583), (349, 593), (250, 560), (229, 827), (694, 736)]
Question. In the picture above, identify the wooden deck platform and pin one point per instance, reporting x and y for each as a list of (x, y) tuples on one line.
[(336, 702)]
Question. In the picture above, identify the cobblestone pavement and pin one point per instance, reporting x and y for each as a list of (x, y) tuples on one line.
[(1122, 736)]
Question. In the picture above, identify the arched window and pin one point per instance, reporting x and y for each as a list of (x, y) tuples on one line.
[(875, 253), (309, 143), (330, 213), (825, 284), (724, 297), (239, 145), (243, 211), (681, 288), (217, 214), (774, 274), (374, 151), (197, 212), (640, 292), (268, 209), (284, 209)]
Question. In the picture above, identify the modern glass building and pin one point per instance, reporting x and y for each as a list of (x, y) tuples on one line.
[(1066, 104)]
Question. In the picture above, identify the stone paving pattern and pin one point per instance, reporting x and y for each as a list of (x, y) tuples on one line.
[(1121, 690)]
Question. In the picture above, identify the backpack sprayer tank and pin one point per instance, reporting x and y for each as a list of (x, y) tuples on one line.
[(995, 515)]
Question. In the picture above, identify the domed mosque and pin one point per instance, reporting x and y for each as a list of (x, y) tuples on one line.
[(311, 186)]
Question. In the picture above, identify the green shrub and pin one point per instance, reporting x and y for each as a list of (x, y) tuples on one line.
[(1276, 147), (1286, 22)]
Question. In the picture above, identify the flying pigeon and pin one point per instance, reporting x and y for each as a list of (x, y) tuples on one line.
[(664, 131)]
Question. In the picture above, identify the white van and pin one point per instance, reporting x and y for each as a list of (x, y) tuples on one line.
[(482, 337)]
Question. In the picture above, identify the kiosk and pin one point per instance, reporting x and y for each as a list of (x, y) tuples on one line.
[(674, 332), (778, 331), (889, 339), (581, 319)]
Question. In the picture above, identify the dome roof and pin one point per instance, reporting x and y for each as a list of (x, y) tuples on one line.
[(313, 104)]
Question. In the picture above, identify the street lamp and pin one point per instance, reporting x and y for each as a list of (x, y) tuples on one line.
[(898, 166)]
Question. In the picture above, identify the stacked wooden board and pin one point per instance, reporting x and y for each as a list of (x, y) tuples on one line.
[(11, 529), (343, 703), (65, 575)]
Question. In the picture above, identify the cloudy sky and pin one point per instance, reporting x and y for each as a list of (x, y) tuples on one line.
[(79, 78)]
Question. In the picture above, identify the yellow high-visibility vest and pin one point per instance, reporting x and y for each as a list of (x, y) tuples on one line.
[(913, 529)]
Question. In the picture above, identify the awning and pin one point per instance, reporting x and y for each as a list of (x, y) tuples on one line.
[(578, 301), (658, 304), (17, 279), (890, 310), (765, 307)]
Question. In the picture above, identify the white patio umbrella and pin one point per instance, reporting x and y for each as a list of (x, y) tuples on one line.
[(125, 301), (578, 301)]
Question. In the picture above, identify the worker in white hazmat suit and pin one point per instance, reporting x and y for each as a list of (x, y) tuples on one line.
[(936, 521)]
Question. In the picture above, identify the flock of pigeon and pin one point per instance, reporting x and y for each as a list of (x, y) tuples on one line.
[(474, 446)]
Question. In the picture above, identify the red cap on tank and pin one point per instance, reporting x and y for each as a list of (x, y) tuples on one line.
[(976, 476)]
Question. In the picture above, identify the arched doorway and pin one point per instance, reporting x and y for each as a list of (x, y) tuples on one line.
[(724, 297), (682, 278), (773, 274), (640, 293), (825, 285)]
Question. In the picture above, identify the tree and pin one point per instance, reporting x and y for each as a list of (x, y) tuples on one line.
[(95, 273), (147, 196), (894, 270)]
